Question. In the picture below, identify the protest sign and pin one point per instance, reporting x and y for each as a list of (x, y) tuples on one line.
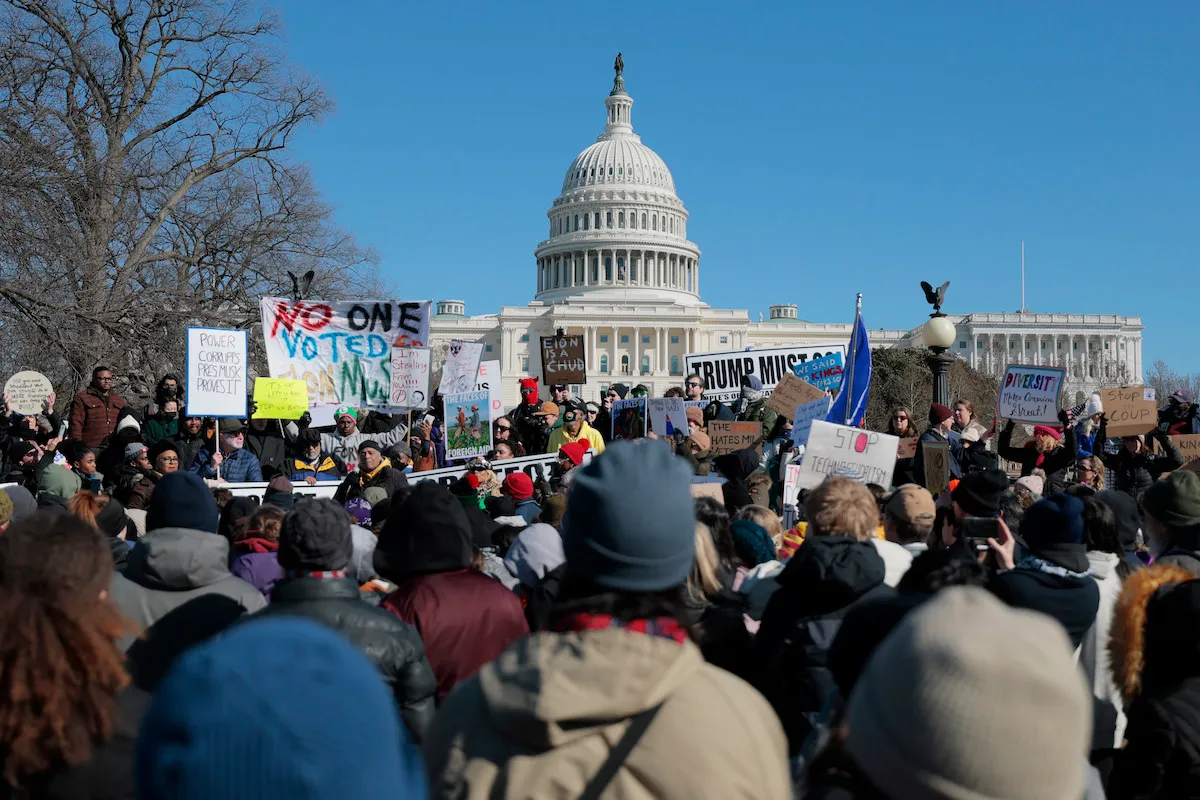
[(708, 488), (461, 370), (1128, 411), (629, 418), (563, 360), (667, 415), (791, 484), (468, 425), (27, 391), (216, 372), (791, 393), (728, 437), (1030, 394), (280, 398), (343, 350), (867, 455), (824, 373), (936, 457), (1189, 446), (907, 447), (489, 381), (722, 372), (534, 466), (804, 417), (410, 377)]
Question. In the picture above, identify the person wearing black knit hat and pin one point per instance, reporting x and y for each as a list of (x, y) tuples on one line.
[(315, 551), (373, 470), (941, 429), (1054, 577)]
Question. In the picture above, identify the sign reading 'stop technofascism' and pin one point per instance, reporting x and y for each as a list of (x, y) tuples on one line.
[(722, 372)]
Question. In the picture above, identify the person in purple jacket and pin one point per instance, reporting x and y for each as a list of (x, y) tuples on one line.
[(255, 549)]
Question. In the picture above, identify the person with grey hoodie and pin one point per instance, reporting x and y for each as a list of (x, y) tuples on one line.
[(177, 587)]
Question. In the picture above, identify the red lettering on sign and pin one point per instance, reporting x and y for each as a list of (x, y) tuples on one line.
[(404, 340), (860, 443), (311, 317)]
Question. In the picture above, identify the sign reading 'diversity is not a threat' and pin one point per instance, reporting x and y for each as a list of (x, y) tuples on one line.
[(343, 350), (722, 372), (1031, 394)]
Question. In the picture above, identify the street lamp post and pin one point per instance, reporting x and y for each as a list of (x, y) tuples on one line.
[(939, 334)]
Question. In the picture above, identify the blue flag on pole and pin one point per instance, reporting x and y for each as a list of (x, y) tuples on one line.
[(850, 406)]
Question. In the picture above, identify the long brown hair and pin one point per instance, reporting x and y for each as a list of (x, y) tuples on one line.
[(60, 667), (911, 429)]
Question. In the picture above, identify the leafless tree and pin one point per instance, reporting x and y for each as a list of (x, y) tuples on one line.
[(143, 183), (1167, 381)]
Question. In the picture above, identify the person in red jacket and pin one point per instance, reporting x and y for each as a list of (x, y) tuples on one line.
[(465, 618), (95, 410)]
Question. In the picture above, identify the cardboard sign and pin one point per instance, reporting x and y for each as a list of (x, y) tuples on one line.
[(709, 489), (563, 360), (728, 437), (907, 447), (629, 418), (410, 377), (937, 466), (667, 415), (342, 350), (791, 393), (280, 398), (468, 425), (722, 372), (489, 381), (1031, 394), (27, 391), (461, 369), (806, 415), (216, 373), (868, 455), (824, 373), (1128, 411), (1189, 445)]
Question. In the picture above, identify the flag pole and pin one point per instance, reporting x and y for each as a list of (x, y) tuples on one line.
[(850, 357)]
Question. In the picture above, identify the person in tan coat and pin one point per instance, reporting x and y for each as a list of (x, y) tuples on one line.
[(617, 701)]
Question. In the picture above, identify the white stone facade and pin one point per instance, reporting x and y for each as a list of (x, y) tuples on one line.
[(618, 269)]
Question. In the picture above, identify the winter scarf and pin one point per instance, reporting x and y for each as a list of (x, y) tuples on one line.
[(661, 627), (1032, 562)]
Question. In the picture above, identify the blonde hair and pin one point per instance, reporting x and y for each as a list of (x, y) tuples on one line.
[(842, 507), (703, 582), (765, 518), (1047, 444)]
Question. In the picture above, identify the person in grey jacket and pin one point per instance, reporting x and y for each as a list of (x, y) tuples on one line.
[(177, 587), (344, 442)]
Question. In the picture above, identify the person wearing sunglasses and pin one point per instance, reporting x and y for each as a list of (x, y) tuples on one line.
[(693, 387), (640, 391), (900, 424)]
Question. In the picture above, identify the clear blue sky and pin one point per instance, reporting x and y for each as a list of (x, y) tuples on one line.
[(822, 149)]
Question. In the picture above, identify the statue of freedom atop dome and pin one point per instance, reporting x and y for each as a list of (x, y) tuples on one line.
[(619, 65)]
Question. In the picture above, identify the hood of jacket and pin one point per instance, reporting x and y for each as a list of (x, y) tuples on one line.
[(537, 550), (830, 572), (549, 689), (1101, 564), (736, 466), (178, 559)]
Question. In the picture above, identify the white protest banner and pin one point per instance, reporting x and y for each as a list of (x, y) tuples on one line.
[(489, 381), (805, 416), (825, 373), (722, 372), (410, 377), (667, 415), (791, 484), (1031, 394), (535, 467), (868, 455), (216, 373), (461, 369), (468, 425), (27, 391)]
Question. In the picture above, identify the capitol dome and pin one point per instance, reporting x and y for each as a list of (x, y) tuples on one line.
[(618, 231)]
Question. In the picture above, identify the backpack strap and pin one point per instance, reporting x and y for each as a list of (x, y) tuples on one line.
[(608, 770)]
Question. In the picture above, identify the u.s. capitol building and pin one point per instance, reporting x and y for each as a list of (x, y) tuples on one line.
[(619, 270)]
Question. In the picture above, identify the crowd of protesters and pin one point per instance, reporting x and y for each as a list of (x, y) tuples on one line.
[(601, 629)]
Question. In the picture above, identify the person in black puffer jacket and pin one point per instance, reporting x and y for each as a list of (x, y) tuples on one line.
[(834, 569), (373, 470), (315, 547), (1050, 450), (1135, 468)]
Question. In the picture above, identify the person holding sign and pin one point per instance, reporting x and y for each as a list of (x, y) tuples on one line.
[(1050, 450), (230, 462), (1135, 467), (941, 429)]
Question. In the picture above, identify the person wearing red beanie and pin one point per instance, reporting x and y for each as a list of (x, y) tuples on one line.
[(572, 454), (519, 486), (1050, 450)]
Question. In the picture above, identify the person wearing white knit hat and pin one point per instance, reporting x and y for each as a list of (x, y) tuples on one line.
[(968, 699)]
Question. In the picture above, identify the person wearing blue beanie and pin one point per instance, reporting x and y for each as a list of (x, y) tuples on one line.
[(277, 708), (1053, 578), (613, 698), (176, 585)]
